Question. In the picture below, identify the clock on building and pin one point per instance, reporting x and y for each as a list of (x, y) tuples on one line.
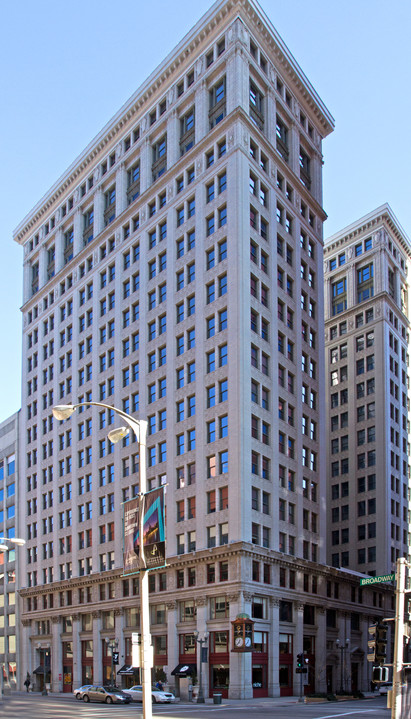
[(242, 634)]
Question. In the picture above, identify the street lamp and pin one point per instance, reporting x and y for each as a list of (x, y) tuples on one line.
[(203, 640), (112, 645), (139, 427), (342, 646), (4, 547)]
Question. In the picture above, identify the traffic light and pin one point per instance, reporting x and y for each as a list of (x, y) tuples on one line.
[(380, 674), (381, 643), (300, 661), (377, 646), (372, 630)]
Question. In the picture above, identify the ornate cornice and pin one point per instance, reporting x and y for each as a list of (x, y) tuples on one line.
[(158, 83), (381, 216)]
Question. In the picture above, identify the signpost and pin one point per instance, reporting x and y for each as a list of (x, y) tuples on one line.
[(377, 580)]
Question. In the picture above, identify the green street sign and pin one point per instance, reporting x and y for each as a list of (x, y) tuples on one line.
[(378, 580)]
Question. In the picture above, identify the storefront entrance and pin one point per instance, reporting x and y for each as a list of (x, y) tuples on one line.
[(67, 667), (219, 678), (286, 665)]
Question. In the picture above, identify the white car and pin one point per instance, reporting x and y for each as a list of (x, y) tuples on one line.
[(158, 695), (385, 688)]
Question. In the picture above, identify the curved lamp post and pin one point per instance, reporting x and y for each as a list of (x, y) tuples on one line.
[(5, 687), (139, 427)]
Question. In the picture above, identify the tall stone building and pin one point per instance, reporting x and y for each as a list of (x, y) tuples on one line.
[(367, 372), (176, 272), (9, 557)]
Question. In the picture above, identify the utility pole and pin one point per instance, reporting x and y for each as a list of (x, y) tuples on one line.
[(396, 703)]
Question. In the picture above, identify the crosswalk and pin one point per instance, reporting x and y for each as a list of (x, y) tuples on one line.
[(36, 707)]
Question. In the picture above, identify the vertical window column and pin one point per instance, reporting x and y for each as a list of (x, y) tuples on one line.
[(201, 104), (98, 211), (78, 231), (121, 189), (173, 139), (59, 245)]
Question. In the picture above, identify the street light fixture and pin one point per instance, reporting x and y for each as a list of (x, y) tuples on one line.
[(203, 640), (342, 646), (112, 645), (4, 547), (139, 427)]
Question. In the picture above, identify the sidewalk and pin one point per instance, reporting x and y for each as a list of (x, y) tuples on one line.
[(268, 701)]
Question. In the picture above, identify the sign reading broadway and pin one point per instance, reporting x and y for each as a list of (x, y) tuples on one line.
[(151, 508), (377, 580)]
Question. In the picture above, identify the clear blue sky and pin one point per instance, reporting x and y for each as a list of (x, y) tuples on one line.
[(68, 67)]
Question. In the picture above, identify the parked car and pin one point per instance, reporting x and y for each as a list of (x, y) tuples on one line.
[(385, 688), (106, 694), (159, 696), (78, 693)]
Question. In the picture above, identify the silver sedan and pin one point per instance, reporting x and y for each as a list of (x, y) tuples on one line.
[(158, 696)]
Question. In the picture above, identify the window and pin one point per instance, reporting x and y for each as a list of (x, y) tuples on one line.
[(305, 168), (365, 282), (187, 130), (217, 103), (339, 296), (256, 106), (282, 138), (159, 165)]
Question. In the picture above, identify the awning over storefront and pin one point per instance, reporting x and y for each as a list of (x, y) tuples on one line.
[(42, 670), (127, 669), (184, 670), (358, 651)]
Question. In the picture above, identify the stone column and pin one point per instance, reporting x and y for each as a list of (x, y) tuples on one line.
[(27, 276), (97, 648), (42, 266), (121, 189), (27, 653), (146, 161), (270, 117), (294, 157), (298, 645), (201, 606), (78, 232), (98, 211), (77, 674), (56, 656), (173, 136), (240, 662), (59, 250), (274, 649), (238, 72), (316, 177), (320, 652), (345, 655), (172, 641), (201, 103)]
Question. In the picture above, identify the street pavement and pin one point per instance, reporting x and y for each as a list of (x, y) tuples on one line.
[(64, 706)]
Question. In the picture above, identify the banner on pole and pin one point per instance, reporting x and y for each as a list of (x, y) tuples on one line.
[(151, 507)]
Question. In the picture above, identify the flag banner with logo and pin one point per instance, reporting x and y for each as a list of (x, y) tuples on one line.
[(151, 507)]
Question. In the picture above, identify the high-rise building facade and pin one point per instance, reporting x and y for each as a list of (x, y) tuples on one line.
[(176, 272), (9, 498), (367, 372)]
